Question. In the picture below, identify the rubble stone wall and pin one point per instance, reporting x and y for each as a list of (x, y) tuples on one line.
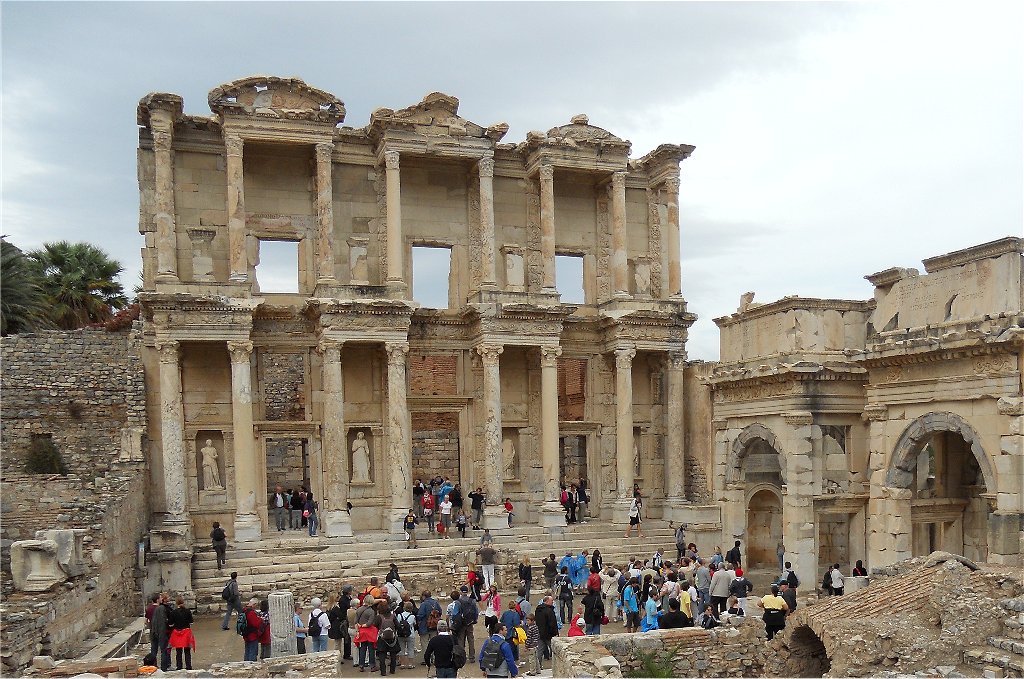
[(81, 387)]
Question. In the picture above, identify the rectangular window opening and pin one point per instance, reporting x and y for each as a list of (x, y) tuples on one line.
[(431, 273), (569, 278), (277, 266)]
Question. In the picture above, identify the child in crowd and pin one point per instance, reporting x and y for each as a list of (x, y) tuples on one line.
[(534, 649), (508, 510)]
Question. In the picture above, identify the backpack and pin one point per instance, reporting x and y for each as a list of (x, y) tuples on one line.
[(491, 656), (387, 633), (519, 609), (432, 618), (404, 628), (242, 625), (458, 657), (226, 593), (314, 625), (564, 497), (219, 534), (793, 581)]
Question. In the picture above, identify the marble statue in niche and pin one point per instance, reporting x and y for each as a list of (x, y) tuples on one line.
[(211, 472), (636, 459), (508, 456), (360, 459)]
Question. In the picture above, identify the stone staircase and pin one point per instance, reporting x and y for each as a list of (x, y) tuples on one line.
[(1004, 656), (311, 566)]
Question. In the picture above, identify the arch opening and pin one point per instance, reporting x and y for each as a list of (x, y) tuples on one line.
[(764, 528), (807, 655)]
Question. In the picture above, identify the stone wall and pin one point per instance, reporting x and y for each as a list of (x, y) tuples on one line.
[(284, 385), (83, 388), (435, 446), (113, 510)]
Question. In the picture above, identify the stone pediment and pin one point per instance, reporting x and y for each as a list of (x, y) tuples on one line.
[(272, 97), (579, 132), (435, 116)]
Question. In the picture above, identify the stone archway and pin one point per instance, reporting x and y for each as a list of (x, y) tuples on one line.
[(741, 446), (808, 656), (904, 456)]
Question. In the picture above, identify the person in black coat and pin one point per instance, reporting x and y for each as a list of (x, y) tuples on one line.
[(439, 652), (547, 624)]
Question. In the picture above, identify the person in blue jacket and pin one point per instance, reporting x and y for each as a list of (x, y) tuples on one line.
[(580, 569), (508, 667)]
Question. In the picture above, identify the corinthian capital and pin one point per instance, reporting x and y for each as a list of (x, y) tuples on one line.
[(489, 353), (547, 172), (324, 151), (485, 167), (240, 350), (234, 145), (396, 351), (624, 358), (549, 356), (676, 360), (391, 160), (618, 181), (169, 350), (330, 350), (162, 141), (672, 185)]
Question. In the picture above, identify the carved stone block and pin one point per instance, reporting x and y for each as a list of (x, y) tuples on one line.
[(34, 566), (70, 548)]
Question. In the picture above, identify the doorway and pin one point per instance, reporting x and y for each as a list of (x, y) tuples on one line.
[(764, 528)]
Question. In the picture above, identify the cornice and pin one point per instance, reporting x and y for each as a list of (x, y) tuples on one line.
[(996, 248), (794, 303)]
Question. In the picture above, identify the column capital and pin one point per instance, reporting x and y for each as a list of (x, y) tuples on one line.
[(549, 356), (162, 141), (485, 167), (391, 160), (396, 351), (624, 358), (240, 350), (324, 150), (489, 353), (672, 184), (675, 360), (169, 350), (330, 349), (546, 172), (619, 180), (234, 145)]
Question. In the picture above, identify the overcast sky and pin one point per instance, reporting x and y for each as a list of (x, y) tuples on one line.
[(833, 140)]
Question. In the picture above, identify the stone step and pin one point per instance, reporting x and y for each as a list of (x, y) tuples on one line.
[(1009, 662), (1014, 646), (1014, 629)]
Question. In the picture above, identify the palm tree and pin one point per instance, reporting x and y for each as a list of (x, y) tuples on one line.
[(80, 283), (23, 305)]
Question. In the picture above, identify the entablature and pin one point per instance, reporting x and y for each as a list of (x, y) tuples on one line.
[(194, 318)]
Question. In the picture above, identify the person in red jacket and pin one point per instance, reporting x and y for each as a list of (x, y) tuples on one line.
[(264, 629), (252, 631)]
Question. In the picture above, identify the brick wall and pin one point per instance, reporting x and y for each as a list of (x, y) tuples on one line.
[(433, 374), (82, 387), (283, 381), (572, 388)]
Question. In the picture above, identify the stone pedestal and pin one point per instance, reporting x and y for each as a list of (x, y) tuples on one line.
[(620, 511), (852, 584), (282, 624), (337, 523), (552, 515), (248, 528), (34, 566), (495, 518)]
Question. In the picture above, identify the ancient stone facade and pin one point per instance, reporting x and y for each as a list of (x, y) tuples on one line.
[(881, 429), (507, 388)]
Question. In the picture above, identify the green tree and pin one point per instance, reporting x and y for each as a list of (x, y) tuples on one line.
[(23, 305), (80, 283)]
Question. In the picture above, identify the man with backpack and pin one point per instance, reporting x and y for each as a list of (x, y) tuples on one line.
[(496, 658), (319, 626), (386, 623), (443, 653), (733, 556), (464, 619), (233, 598), (428, 615), (406, 623)]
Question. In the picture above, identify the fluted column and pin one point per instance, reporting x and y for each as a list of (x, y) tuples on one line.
[(247, 521), (334, 446), (239, 254), (674, 276), (488, 278), (552, 514), (162, 124), (624, 421), (547, 225), (493, 464), (619, 265), (395, 252), (399, 459), (324, 215), (675, 414), (172, 422)]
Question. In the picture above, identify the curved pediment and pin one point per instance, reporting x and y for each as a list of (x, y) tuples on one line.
[(435, 116), (272, 97), (580, 131)]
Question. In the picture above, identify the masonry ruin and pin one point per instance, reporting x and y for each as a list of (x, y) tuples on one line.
[(877, 429)]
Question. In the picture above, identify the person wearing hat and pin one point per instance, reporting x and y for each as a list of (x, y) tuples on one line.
[(740, 588), (788, 594), (439, 652)]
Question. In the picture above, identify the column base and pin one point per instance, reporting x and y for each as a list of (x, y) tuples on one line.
[(167, 277), (552, 515), (620, 511), (170, 534), (673, 510), (337, 523), (248, 528), (238, 278), (495, 518)]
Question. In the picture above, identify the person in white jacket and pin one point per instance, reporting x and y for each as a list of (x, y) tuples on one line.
[(837, 581)]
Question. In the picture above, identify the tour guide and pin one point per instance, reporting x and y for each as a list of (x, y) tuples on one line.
[(496, 655)]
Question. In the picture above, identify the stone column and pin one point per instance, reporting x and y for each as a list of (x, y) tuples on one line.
[(324, 216), (337, 521), (247, 484), (172, 422), (282, 623), (396, 251), (237, 249), (798, 519), (619, 259), (672, 195), (399, 437), (675, 413), (493, 463), (624, 430), (488, 277), (547, 225), (551, 514), (162, 124)]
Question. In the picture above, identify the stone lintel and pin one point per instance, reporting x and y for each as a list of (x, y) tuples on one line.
[(996, 248), (792, 303)]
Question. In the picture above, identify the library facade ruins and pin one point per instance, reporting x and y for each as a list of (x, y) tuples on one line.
[(873, 429)]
